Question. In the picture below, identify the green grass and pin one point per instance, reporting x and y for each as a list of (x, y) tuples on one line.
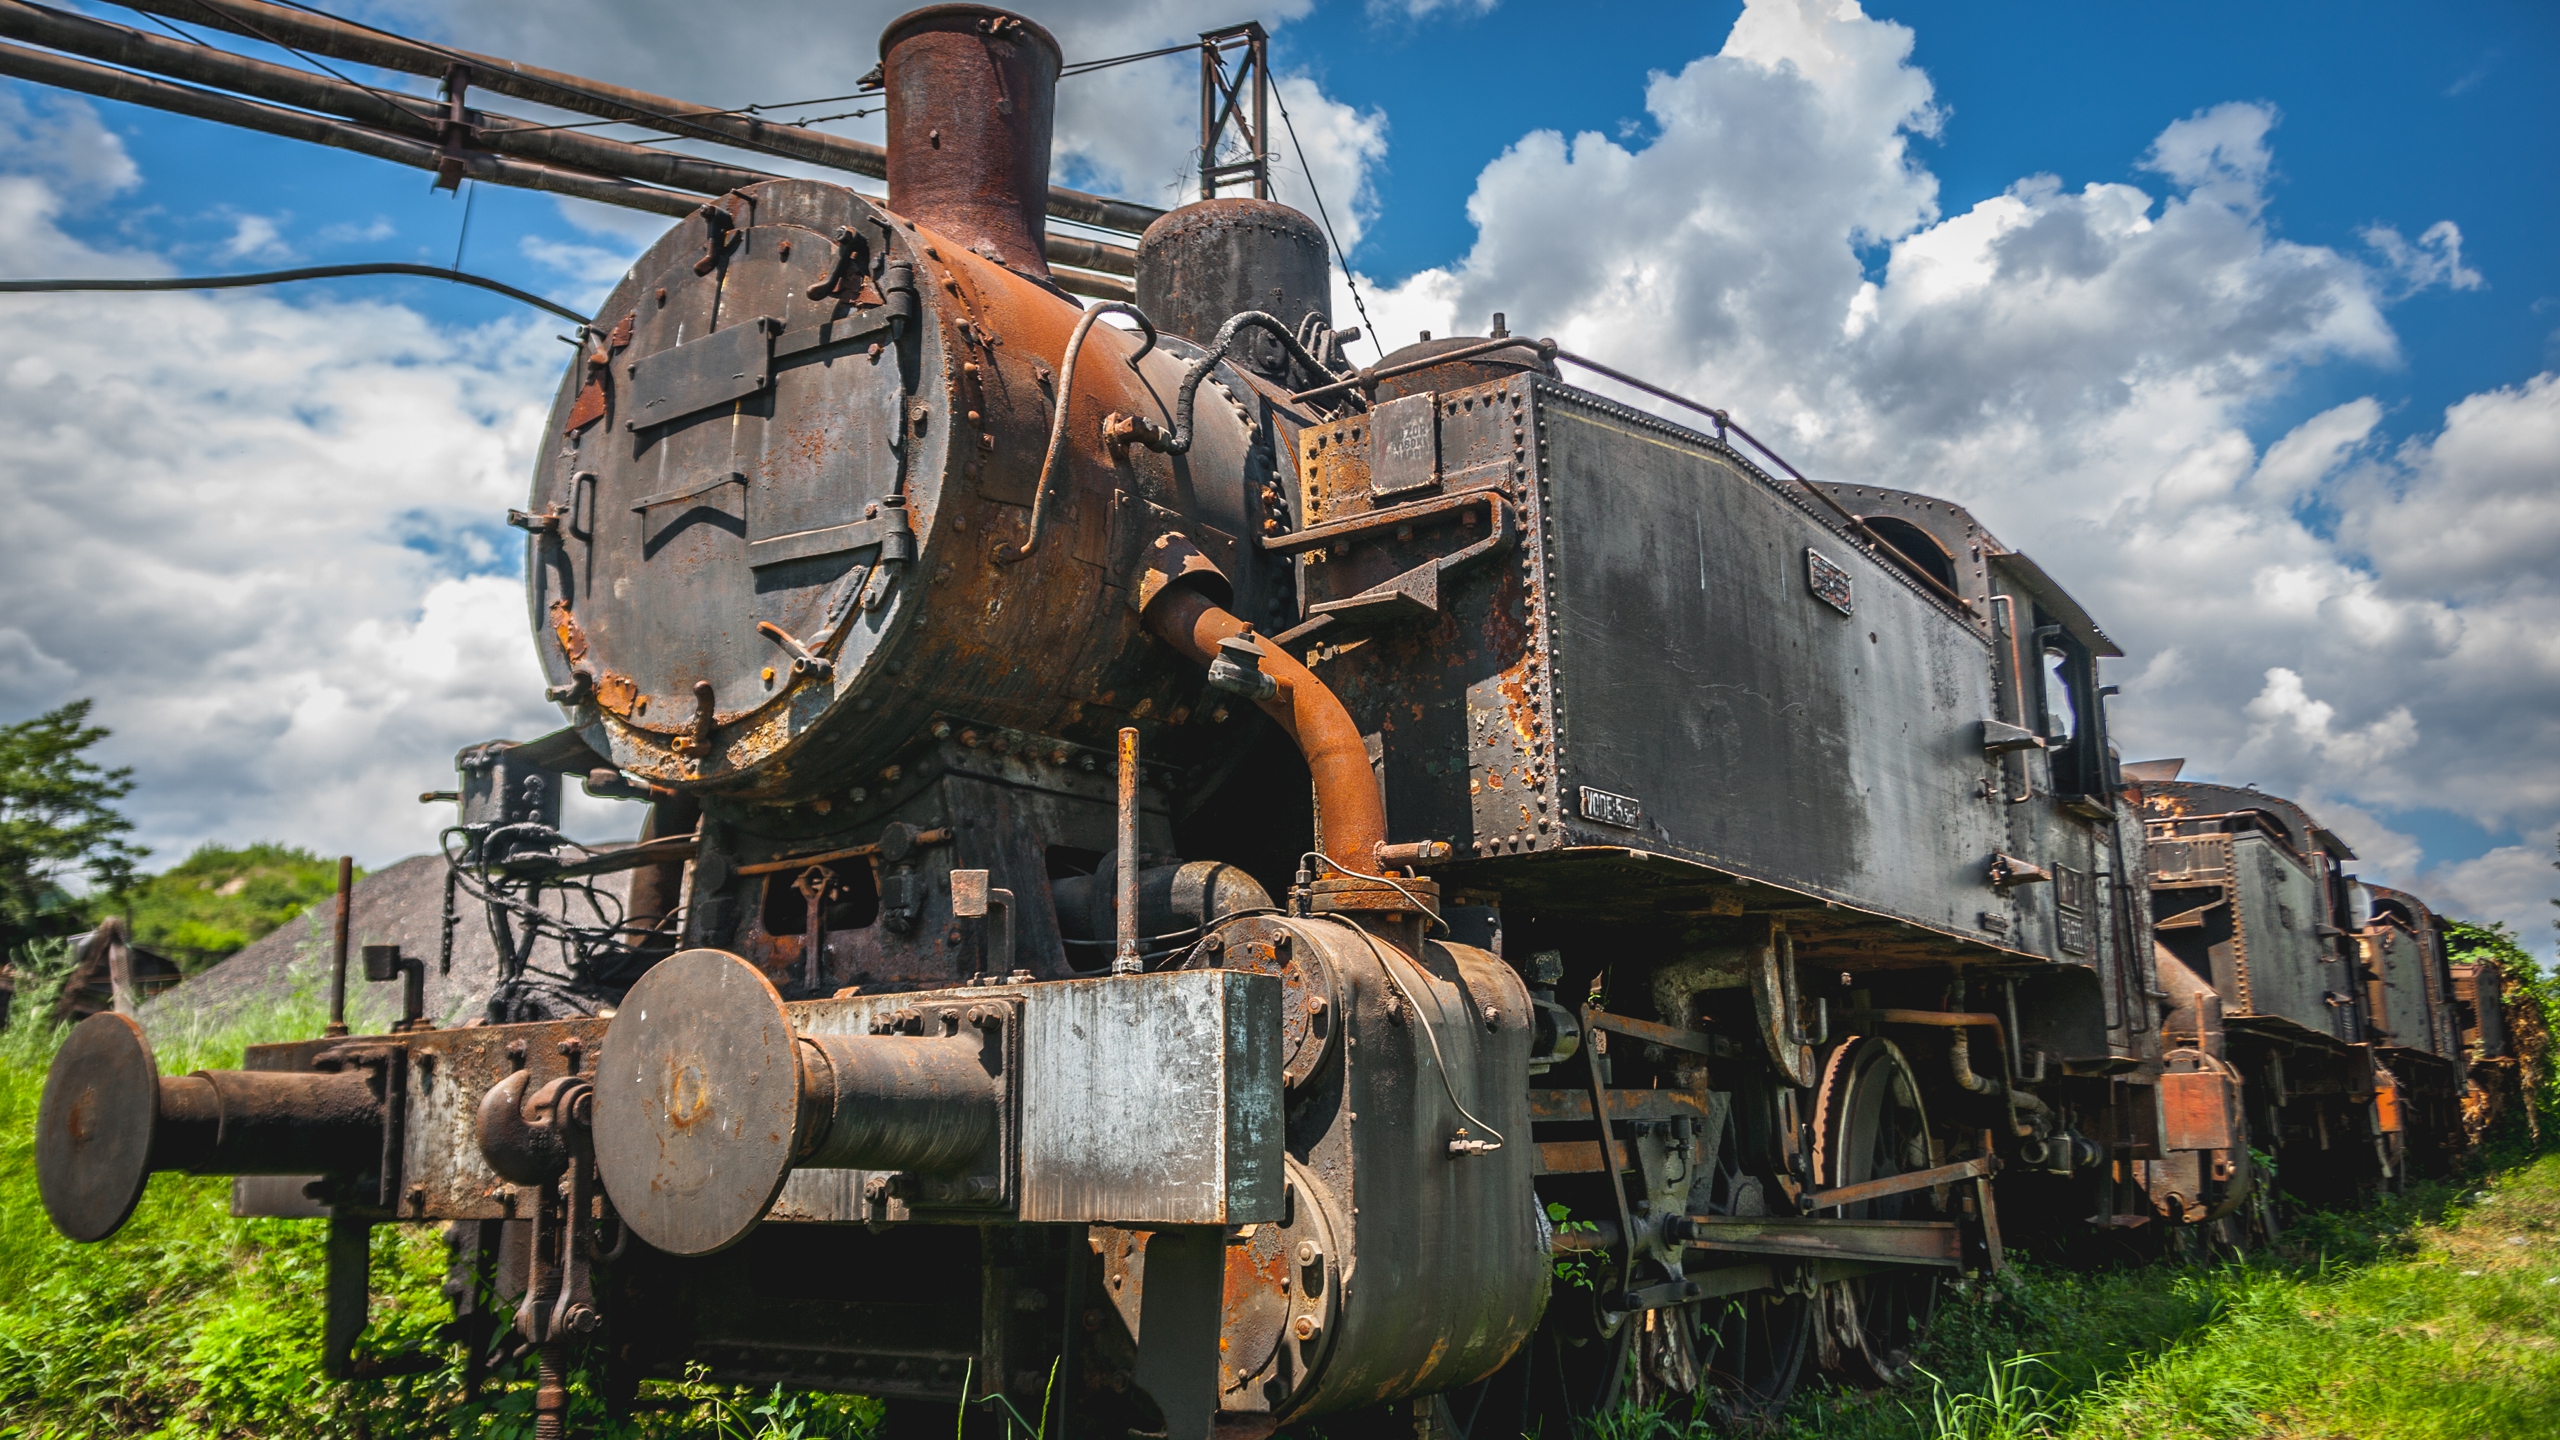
[(2436, 1314), (189, 1323), (2429, 1315)]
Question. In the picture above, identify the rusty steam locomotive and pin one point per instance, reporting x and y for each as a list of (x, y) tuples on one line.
[(1222, 888)]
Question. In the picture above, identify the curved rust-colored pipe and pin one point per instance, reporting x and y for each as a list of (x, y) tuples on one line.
[(1348, 803)]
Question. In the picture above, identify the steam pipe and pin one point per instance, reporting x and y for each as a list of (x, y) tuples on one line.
[(1349, 807), (1960, 1063)]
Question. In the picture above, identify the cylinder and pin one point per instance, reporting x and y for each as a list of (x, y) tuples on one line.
[(972, 94), (896, 1102), (1205, 262), (267, 1122)]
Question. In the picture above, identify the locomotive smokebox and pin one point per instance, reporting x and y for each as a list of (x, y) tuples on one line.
[(1203, 263), (972, 94)]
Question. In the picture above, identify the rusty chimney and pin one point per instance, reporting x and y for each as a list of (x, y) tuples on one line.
[(972, 93)]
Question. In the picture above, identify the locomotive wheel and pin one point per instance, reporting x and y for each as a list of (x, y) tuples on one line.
[(1747, 1349), (1871, 1124)]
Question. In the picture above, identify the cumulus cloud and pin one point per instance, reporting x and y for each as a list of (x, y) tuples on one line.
[(1418, 9), (2435, 258), (255, 237), (266, 542), (2358, 624), (269, 543)]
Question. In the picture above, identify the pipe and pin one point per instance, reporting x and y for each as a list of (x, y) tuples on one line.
[(383, 118), (67, 74), (416, 117), (1125, 959), (338, 947), (896, 1102), (657, 891), (1960, 1063), (344, 40), (1350, 810)]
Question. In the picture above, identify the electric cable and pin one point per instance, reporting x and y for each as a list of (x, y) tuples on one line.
[(1428, 1033), (306, 272), (1368, 327)]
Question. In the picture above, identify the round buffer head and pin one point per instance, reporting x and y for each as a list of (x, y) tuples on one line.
[(697, 1102), (94, 1127)]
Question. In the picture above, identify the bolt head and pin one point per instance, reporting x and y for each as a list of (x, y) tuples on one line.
[(1305, 1328)]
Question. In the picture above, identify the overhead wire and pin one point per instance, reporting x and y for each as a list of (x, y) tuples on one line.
[(1368, 327), (306, 272)]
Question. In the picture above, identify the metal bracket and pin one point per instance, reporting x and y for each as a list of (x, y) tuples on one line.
[(2008, 870), (2002, 738), (647, 503), (1415, 594)]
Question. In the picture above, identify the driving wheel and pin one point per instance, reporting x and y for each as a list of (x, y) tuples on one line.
[(1871, 1125)]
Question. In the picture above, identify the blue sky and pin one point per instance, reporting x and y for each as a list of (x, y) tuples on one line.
[(2303, 128)]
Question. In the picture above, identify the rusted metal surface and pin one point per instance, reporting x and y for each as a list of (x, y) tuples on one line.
[(698, 1107), (949, 419), (1352, 812), (1207, 261), (972, 95), (95, 1127), (1903, 1184), (1923, 1242), (1053, 1027), (108, 1120)]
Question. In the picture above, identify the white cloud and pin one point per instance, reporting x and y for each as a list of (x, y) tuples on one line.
[(2285, 717), (1419, 9), (2513, 883), (2362, 626), (596, 268), (2435, 258), (266, 542), (263, 542), (350, 233), (255, 237)]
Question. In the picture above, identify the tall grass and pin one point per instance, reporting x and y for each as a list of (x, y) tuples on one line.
[(2435, 1314), (189, 1323)]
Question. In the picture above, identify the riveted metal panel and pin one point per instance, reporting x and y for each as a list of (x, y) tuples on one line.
[(1822, 732)]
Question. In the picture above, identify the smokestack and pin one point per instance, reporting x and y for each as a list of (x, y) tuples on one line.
[(972, 93)]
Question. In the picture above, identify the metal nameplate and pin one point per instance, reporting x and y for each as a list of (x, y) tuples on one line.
[(714, 370), (1404, 445), (1623, 811), (1829, 583)]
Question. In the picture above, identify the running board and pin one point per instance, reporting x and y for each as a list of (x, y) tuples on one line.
[(1900, 1242)]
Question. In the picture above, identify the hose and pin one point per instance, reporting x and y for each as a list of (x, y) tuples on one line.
[(1008, 554), (1180, 441)]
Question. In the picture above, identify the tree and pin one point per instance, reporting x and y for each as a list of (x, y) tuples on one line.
[(220, 898), (57, 817)]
